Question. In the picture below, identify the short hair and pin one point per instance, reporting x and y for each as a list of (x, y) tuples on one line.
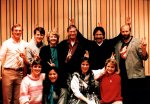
[(114, 62), (40, 29), (36, 62), (14, 26), (54, 33), (99, 29), (71, 26)]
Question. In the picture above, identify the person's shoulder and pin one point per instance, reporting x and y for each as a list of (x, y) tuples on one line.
[(135, 39), (45, 47), (116, 76), (26, 79), (42, 76), (8, 41), (64, 41), (76, 74), (24, 42)]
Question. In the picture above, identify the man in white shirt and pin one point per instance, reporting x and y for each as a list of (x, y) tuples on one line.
[(13, 58)]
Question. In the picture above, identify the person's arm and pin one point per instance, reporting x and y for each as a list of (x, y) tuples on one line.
[(76, 91), (98, 73), (24, 96), (143, 48), (143, 51), (3, 51)]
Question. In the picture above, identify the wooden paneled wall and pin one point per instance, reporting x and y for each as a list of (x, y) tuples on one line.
[(86, 13)]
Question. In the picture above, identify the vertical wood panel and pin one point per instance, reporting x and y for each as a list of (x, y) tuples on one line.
[(26, 34), (60, 19), (103, 14), (87, 13), (118, 16), (3, 19), (66, 17)]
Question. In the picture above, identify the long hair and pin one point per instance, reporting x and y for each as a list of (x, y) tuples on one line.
[(47, 83)]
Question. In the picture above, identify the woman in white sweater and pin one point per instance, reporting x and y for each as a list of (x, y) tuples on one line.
[(31, 85)]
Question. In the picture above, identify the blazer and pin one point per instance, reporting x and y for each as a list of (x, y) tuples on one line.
[(134, 59)]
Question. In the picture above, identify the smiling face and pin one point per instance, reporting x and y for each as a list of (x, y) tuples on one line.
[(53, 76), (110, 68), (85, 66), (125, 31), (36, 70), (99, 37), (38, 37), (17, 32), (72, 33), (53, 39)]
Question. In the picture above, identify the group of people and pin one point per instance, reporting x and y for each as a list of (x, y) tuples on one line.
[(75, 70)]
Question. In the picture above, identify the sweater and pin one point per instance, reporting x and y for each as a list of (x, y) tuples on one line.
[(110, 88)]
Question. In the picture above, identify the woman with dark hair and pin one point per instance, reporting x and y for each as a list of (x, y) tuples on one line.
[(31, 85), (83, 85), (52, 91)]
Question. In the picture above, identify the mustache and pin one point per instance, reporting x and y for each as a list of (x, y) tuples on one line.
[(99, 38)]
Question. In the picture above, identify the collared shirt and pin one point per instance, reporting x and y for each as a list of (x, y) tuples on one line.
[(54, 56), (99, 44), (10, 53), (32, 49), (73, 47)]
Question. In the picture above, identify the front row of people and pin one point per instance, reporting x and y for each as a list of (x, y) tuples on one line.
[(45, 88)]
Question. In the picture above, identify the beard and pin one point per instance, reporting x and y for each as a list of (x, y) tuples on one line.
[(126, 37)]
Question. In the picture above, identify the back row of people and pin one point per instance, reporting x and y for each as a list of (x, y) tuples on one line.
[(65, 55)]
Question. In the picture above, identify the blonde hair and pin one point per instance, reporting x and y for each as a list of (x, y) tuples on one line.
[(14, 26), (114, 62)]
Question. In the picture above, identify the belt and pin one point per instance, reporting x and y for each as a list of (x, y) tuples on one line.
[(16, 69)]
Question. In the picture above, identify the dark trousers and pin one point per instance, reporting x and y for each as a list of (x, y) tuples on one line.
[(136, 91)]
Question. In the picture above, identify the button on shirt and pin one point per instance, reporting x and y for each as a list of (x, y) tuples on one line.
[(10, 52)]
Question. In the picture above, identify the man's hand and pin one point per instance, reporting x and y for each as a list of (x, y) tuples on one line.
[(71, 21)]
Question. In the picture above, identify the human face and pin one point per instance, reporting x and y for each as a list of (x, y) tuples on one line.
[(16, 33), (36, 70), (38, 37), (125, 31), (85, 67), (98, 37), (72, 33), (110, 68), (53, 76), (53, 39)]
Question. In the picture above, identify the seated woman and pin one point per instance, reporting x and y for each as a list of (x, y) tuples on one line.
[(31, 85), (83, 85), (52, 91), (110, 83)]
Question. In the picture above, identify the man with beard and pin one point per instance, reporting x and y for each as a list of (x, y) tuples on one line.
[(100, 49), (130, 53)]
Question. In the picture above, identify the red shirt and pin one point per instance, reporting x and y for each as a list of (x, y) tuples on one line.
[(110, 88)]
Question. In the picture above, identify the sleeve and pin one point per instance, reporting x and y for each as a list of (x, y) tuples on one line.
[(98, 73), (3, 51), (29, 54), (75, 86), (24, 96), (140, 51), (115, 40)]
